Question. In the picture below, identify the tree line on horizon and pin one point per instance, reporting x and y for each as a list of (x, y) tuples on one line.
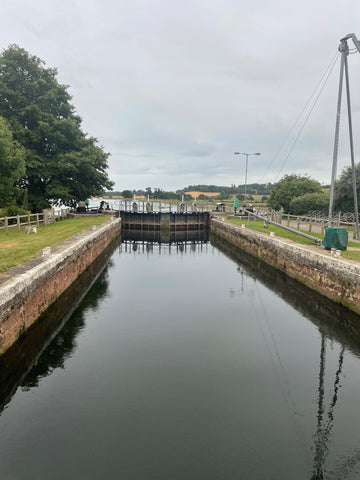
[(45, 157), (294, 194), (224, 192)]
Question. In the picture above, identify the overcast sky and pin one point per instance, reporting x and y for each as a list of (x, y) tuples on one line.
[(173, 88)]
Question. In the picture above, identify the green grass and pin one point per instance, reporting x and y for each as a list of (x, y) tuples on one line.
[(19, 247), (351, 255), (280, 232)]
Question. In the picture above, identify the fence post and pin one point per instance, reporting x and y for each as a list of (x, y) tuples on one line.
[(310, 224), (18, 222), (288, 220), (37, 219), (28, 220), (6, 225), (322, 227)]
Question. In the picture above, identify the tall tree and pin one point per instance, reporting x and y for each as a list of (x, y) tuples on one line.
[(62, 163), (289, 187), (12, 164), (344, 194)]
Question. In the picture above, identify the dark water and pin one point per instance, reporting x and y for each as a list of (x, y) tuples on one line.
[(185, 362)]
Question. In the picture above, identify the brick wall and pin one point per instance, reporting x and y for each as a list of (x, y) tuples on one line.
[(26, 296), (334, 278)]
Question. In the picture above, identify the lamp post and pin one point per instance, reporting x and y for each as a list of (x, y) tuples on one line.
[(246, 168)]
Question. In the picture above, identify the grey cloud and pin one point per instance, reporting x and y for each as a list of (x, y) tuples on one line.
[(172, 89)]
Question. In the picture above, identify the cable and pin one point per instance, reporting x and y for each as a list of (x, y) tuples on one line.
[(306, 118), (329, 67), (280, 370)]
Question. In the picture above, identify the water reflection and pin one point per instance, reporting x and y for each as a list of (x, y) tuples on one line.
[(195, 361), (47, 344), (333, 320), (161, 237), (335, 323), (62, 346)]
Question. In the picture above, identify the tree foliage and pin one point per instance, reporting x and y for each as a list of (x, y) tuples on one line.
[(62, 163), (289, 187), (309, 201), (127, 193), (12, 164), (344, 196)]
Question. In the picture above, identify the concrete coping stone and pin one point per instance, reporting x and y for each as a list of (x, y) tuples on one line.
[(334, 263), (30, 277)]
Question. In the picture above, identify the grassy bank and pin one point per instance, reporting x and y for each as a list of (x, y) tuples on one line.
[(19, 247), (258, 225)]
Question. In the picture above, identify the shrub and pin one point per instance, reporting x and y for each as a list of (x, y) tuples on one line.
[(13, 210), (309, 201)]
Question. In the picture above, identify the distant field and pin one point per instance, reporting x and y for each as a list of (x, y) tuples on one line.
[(257, 198), (207, 194)]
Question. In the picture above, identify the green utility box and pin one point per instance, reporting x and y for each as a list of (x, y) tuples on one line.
[(335, 238)]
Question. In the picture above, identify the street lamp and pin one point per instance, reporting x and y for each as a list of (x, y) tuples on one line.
[(247, 156)]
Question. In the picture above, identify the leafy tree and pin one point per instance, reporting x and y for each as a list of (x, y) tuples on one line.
[(309, 201), (223, 196), (159, 193), (344, 197), (12, 164), (148, 192), (127, 193), (289, 187), (264, 198), (62, 163)]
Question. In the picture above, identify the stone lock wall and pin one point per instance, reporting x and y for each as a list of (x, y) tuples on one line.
[(333, 277), (24, 297)]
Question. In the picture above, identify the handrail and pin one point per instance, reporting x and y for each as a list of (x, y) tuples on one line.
[(302, 234)]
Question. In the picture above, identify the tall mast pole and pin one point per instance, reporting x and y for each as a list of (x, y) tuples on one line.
[(342, 48), (352, 149)]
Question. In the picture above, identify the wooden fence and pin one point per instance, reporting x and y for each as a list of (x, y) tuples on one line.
[(32, 220), (308, 223)]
